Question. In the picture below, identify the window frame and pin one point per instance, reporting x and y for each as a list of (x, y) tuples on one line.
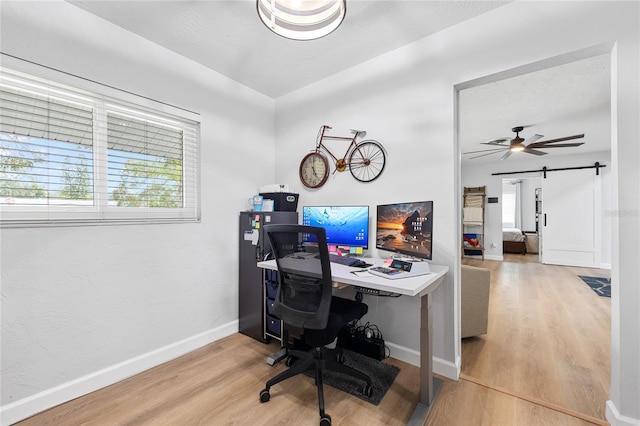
[(102, 100)]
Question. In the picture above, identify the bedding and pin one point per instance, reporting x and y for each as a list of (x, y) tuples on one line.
[(512, 234), (513, 241)]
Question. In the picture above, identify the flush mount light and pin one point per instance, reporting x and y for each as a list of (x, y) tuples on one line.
[(302, 19)]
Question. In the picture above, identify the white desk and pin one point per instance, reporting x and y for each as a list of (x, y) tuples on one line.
[(421, 286)]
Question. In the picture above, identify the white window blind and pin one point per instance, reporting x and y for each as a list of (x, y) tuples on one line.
[(69, 156), (47, 152)]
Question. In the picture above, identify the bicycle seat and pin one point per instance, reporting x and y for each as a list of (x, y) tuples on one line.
[(361, 133)]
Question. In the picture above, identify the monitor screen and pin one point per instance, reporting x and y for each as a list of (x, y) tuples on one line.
[(405, 228), (345, 225)]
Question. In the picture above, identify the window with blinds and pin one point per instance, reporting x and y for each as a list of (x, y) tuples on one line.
[(68, 156)]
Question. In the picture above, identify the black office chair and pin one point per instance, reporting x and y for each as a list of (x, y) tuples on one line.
[(304, 301)]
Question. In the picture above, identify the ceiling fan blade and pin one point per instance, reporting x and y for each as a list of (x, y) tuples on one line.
[(484, 155), (532, 139), (534, 151), (486, 150), (500, 141), (566, 138), (506, 155), (560, 145)]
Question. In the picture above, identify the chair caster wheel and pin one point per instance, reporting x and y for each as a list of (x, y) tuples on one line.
[(288, 361), (264, 395), (367, 391), (325, 420)]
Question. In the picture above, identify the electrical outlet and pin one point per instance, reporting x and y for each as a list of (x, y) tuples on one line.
[(493, 245)]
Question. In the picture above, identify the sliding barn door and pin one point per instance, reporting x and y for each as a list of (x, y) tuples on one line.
[(571, 218)]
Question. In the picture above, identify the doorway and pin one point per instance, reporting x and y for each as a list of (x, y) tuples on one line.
[(480, 172), (521, 214)]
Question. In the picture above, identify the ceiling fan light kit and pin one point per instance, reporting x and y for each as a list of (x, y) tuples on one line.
[(529, 145), (302, 19)]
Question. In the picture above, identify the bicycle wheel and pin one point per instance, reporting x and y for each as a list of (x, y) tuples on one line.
[(367, 160)]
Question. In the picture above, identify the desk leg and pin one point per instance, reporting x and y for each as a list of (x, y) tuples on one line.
[(429, 386)]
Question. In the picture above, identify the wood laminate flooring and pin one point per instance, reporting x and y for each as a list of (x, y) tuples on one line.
[(548, 336), (544, 361)]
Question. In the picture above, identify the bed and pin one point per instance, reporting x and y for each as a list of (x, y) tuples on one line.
[(514, 241)]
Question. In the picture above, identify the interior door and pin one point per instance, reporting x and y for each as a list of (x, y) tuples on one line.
[(571, 218)]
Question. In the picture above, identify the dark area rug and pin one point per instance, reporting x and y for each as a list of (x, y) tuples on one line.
[(602, 286), (382, 377)]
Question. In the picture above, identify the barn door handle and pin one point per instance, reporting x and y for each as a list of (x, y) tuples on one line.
[(545, 219)]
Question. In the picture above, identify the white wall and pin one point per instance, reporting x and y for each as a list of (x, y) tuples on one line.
[(406, 108), (58, 324), (78, 301), (481, 174), (405, 99)]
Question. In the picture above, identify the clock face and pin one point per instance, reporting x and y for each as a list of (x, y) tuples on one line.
[(314, 170)]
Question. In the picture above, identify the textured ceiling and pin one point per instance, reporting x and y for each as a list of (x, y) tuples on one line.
[(560, 101), (228, 37)]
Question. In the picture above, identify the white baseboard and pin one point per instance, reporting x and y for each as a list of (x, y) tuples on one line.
[(403, 354), (27, 407), (411, 356), (458, 367), (605, 266), (614, 417), (445, 368)]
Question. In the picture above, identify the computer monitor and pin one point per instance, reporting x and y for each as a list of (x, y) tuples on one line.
[(346, 226), (406, 228)]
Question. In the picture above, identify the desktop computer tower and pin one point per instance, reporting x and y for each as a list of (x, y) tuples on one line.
[(255, 247)]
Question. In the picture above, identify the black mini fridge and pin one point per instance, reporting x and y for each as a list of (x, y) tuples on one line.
[(255, 247)]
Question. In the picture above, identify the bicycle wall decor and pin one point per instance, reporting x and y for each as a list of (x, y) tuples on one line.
[(365, 159)]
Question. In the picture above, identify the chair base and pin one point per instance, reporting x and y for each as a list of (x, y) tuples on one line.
[(318, 359)]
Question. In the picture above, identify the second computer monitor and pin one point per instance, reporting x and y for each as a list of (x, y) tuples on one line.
[(406, 228), (346, 226)]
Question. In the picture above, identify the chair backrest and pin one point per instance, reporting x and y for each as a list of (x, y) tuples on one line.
[(303, 299)]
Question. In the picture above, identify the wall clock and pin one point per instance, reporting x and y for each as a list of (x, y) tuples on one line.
[(314, 170)]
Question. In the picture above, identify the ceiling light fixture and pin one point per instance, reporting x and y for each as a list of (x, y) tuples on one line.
[(302, 19)]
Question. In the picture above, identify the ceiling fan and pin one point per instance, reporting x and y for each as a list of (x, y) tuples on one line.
[(529, 145)]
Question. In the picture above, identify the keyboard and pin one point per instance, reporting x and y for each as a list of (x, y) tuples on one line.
[(348, 261)]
